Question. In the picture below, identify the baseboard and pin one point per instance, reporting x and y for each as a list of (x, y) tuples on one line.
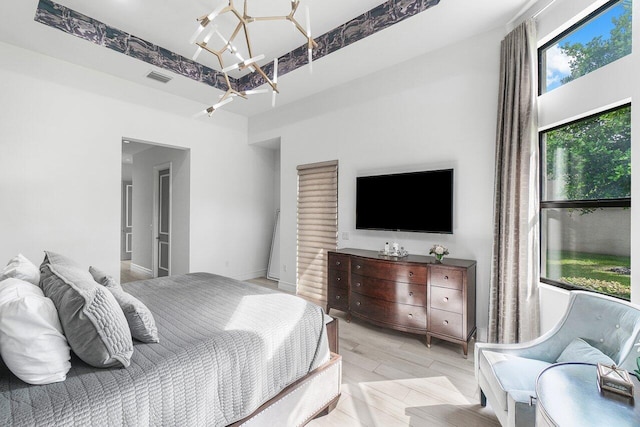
[(482, 335), (287, 287), (252, 275), (139, 269)]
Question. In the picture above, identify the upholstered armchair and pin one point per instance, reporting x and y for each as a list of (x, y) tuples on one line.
[(594, 328)]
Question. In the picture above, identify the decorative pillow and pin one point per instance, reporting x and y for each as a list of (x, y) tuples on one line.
[(141, 321), (580, 351), (31, 341), (91, 318), (19, 267)]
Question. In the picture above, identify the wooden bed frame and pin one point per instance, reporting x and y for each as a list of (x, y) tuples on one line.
[(314, 395)]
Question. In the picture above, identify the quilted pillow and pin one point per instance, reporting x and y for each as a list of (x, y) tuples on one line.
[(579, 350), (19, 267), (139, 317), (91, 318), (31, 341)]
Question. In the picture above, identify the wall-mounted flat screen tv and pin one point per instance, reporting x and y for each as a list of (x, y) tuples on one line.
[(412, 201)]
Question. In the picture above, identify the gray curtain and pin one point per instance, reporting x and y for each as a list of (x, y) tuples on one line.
[(513, 304)]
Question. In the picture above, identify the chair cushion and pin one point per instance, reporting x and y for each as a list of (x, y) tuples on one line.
[(580, 351), (506, 373)]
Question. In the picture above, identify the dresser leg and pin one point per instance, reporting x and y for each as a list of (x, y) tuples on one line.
[(428, 341), (327, 310), (348, 317), (465, 348)]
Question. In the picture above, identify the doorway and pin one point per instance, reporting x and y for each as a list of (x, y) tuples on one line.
[(160, 209)]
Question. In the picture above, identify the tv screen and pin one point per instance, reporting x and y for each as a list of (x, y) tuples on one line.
[(413, 201)]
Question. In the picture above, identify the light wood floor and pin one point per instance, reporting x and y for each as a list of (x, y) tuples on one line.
[(391, 378), (128, 275)]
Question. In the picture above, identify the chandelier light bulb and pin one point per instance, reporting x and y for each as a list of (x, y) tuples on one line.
[(195, 35), (195, 55), (209, 34), (217, 11), (275, 70), (254, 91), (221, 103)]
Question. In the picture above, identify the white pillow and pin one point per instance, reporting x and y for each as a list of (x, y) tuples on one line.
[(31, 341), (20, 267)]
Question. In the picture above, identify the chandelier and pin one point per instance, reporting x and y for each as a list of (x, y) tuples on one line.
[(230, 46)]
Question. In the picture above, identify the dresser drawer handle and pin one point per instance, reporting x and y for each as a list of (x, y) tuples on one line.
[(446, 277), (410, 294), (338, 263), (358, 267), (445, 299), (337, 296), (358, 284), (445, 322), (338, 279), (358, 303), (410, 316), (411, 274)]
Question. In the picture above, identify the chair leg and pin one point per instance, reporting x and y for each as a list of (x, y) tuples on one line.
[(483, 398)]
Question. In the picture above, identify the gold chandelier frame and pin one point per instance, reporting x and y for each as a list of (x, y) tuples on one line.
[(244, 19)]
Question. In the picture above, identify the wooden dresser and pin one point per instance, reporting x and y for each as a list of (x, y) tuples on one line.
[(410, 294)]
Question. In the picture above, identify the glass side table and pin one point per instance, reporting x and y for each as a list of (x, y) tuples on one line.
[(568, 395)]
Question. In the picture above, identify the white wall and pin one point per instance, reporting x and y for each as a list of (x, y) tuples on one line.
[(438, 110), (144, 199), (61, 128)]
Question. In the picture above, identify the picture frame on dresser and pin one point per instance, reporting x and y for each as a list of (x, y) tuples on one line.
[(412, 294)]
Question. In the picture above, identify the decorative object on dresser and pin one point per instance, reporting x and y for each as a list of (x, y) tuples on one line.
[(439, 252), (412, 294)]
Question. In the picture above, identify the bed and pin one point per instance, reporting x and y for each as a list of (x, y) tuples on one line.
[(229, 353)]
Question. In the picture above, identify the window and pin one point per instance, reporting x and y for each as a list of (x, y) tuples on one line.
[(599, 39), (585, 203), (317, 227)]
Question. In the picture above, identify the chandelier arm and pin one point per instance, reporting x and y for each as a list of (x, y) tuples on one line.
[(270, 18), (214, 52), (237, 13), (294, 7), (299, 27), (264, 75), (235, 34), (247, 39)]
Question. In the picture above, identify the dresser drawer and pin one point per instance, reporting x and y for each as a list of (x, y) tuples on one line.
[(338, 298), (337, 261), (446, 299), (338, 279), (408, 316), (445, 323), (406, 273), (446, 277), (403, 293)]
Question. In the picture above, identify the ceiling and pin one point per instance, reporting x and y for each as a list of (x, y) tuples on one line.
[(170, 23)]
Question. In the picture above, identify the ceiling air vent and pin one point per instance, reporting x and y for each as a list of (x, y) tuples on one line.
[(159, 77)]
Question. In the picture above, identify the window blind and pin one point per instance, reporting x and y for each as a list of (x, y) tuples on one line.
[(317, 227)]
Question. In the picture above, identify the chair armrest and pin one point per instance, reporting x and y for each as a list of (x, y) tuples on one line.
[(546, 347)]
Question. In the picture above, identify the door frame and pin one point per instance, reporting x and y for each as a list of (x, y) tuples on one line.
[(126, 239), (156, 188)]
